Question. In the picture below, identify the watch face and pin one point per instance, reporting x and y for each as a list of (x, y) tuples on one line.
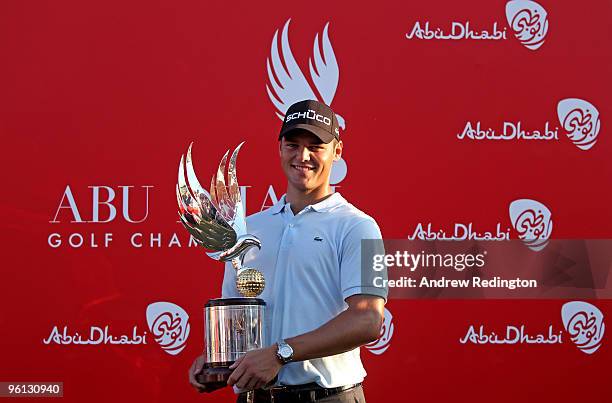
[(285, 351)]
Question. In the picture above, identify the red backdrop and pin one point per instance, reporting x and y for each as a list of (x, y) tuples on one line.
[(111, 93)]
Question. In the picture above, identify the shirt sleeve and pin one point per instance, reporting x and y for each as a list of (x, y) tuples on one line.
[(357, 277)]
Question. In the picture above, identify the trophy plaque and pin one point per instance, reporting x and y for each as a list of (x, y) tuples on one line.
[(216, 220)]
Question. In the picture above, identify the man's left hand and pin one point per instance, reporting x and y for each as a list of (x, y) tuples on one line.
[(255, 369)]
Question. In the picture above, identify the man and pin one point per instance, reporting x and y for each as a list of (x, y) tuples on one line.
[(320, 309)]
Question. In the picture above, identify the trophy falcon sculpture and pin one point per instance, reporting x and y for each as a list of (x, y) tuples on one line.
[(216, 220)]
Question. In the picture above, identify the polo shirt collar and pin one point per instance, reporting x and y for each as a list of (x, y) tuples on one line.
[(279, 205), (332, 201)]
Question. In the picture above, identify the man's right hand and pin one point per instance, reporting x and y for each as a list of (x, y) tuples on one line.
[(196, 368)]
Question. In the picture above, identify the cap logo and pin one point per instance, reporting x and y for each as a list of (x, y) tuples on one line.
[(310, 114)]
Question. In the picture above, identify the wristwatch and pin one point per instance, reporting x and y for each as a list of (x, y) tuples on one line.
[(284, 352)]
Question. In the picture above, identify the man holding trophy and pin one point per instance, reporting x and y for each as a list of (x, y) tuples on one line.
[(304, 258)]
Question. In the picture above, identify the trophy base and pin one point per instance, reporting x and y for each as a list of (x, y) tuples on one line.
[(232, 326), (215, 375)]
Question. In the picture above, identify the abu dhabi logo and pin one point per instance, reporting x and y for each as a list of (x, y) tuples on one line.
[(288, 85), (169, 324), (532, 220), (383, 342), (528, 21), (584, 323), (580, 120), (96, 335)]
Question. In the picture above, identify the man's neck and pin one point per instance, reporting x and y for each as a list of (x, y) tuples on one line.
[(299, 199)]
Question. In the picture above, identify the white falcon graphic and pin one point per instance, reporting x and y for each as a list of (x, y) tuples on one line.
[(291, 86)]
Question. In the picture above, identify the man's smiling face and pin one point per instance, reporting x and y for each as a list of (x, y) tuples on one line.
[(306, 160)]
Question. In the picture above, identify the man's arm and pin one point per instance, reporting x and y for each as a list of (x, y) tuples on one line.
[(359, 324), (354, 327)]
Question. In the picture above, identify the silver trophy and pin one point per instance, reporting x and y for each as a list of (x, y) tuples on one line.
[(216, 220)]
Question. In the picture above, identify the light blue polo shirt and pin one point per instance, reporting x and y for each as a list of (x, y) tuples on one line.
[(311, 262)]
